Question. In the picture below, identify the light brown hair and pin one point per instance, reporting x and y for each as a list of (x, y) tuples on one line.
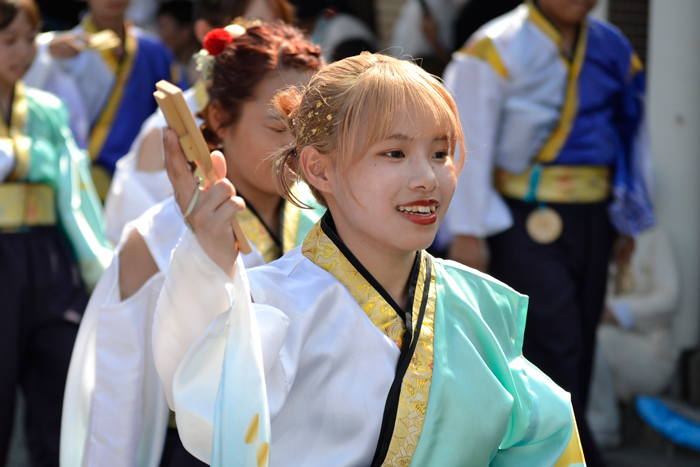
[(367, 93), (10, 8)]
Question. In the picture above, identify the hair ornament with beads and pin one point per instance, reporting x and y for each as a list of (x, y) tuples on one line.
[(350, 105)]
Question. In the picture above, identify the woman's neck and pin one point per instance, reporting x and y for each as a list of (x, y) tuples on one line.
[(267, 205), (7, 92), (391, 268)]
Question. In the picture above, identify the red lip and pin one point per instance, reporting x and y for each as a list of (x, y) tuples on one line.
[(423, 202), (420, 219)]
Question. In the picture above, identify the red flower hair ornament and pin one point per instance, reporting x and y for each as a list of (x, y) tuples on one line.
[(214, 43)]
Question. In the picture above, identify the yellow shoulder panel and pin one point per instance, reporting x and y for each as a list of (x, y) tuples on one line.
[(485, 50)]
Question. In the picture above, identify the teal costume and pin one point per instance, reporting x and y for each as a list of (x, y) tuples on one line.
[(51, 237)]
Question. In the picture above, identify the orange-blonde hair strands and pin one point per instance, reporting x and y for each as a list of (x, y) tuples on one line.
[(358, 100)]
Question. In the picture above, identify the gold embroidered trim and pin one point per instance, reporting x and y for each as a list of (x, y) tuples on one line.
[(123, 70), (15, 132), (539, 20), (573, 454), (290, 222), (556, 141), (322, 251), (258, 234), (415, 387)]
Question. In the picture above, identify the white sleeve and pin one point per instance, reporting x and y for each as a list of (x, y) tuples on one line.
[(193, 295), (657, 305), (477, 209), (206, 338), (7, 158)]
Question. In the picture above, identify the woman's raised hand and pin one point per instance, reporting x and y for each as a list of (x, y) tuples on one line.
[(214, 206)]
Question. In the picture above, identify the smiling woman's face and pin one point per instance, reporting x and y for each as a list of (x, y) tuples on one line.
[(396, 194)]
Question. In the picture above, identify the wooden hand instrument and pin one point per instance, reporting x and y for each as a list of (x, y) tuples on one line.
[(179, 118), (103, 40)]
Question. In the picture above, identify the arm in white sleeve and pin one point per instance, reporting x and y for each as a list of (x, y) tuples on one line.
[(193, 295), (477, 209), (217, 354), (657, 305)]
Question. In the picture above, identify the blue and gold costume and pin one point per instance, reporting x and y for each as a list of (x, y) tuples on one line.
[(52, 247), (556, 134), (108, 99)]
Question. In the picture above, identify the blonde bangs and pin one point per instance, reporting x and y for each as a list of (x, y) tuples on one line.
[(355, 103), (383, 95)]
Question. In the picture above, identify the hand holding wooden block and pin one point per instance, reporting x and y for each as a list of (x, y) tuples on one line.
[(177, 114)]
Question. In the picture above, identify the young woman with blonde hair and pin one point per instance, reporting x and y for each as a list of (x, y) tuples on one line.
[(358, 348)]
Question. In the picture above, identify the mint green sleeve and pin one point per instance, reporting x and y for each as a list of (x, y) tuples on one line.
[(79, 209), (548, 435), (488, 405)]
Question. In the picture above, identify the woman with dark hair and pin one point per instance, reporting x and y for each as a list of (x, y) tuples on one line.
[(52, 242), (116, 409), (140, 181)]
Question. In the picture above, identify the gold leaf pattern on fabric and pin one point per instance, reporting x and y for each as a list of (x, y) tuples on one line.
[(256, 232), (320, 249), (415, 387), (290, 222)]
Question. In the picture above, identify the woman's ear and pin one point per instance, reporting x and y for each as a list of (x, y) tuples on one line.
[(317, 169)]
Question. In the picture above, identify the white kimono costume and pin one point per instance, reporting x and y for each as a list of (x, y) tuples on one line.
[(349, 379), (114, 411)]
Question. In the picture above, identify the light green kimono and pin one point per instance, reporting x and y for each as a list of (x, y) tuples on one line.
[(46, 153)]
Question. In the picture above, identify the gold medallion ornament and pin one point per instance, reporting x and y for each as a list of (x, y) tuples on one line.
[(544, 225)]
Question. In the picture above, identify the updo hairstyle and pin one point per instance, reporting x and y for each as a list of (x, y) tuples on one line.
[(245, 62)]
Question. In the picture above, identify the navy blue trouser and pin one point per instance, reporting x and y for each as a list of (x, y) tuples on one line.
[(42, 299), (566, 282), (175, 454)]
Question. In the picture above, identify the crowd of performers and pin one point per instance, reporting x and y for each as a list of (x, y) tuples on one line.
[(139, 335)]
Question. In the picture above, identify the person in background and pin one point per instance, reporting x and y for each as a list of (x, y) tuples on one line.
[(140, 180), (59, 16), (109, 92), (176, 29), (339, 33), (552, 102), (52, 244), (636, 353), (474, 14), (425, 31), (132, 426), (143, 13)]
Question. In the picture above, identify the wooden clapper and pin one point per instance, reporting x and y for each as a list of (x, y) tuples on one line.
[(177, 114)]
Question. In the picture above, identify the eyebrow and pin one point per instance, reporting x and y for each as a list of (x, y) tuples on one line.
[(402, 137)]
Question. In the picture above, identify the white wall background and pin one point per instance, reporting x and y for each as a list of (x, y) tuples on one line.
[(673, 77)]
